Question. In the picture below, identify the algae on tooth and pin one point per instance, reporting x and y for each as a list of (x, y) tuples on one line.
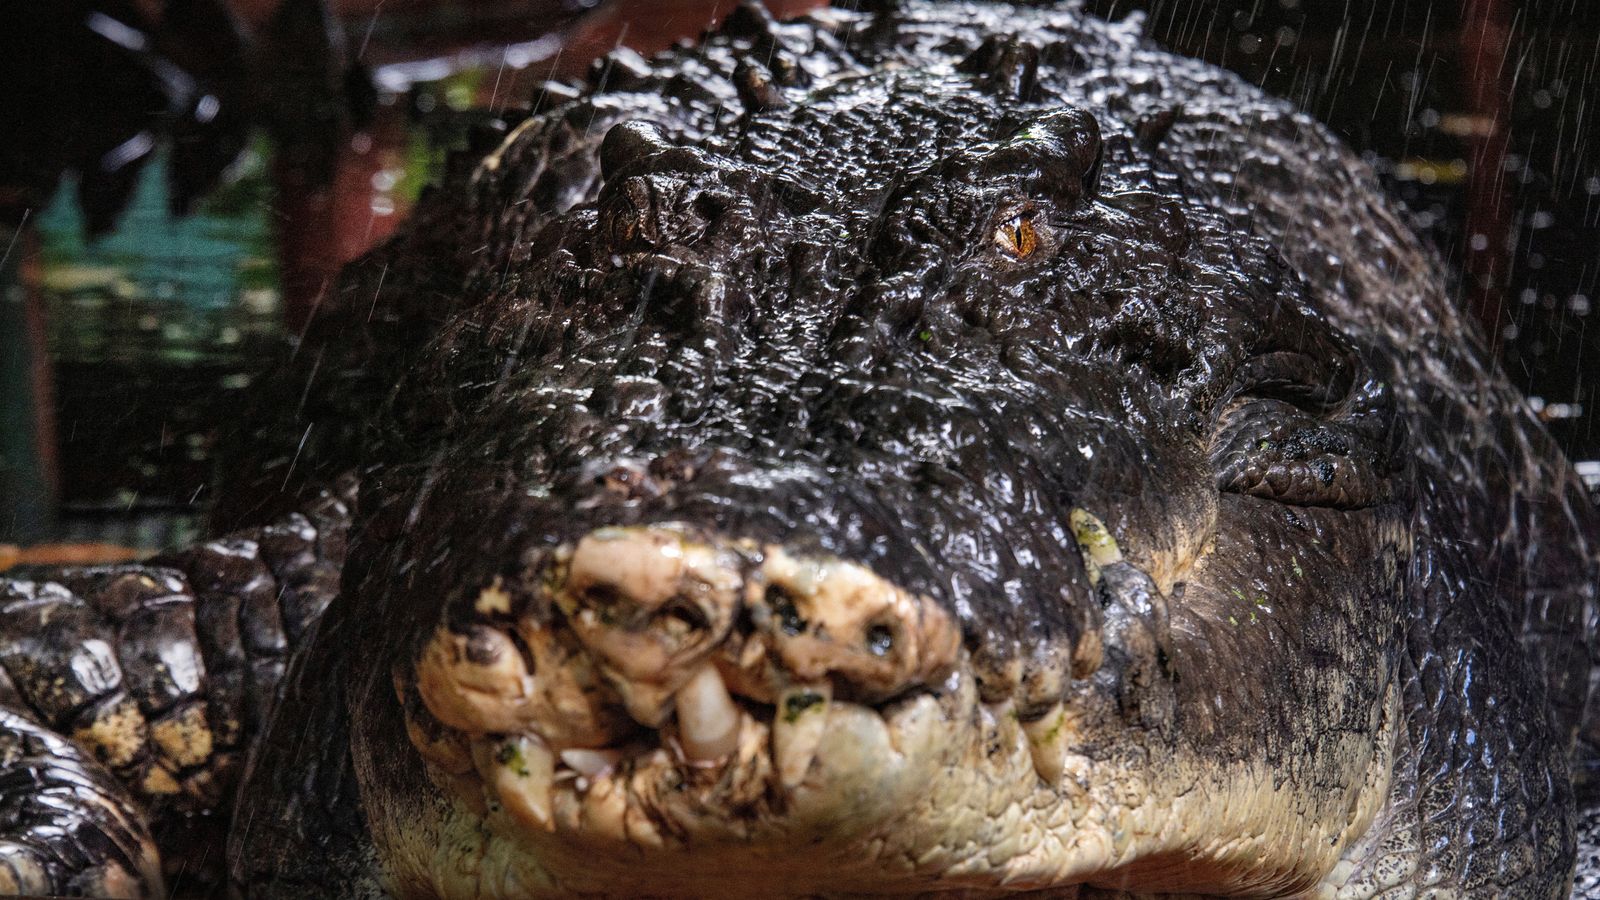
[(1099, 548)]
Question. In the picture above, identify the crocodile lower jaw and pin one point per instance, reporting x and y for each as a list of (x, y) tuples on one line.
[(936, 793)]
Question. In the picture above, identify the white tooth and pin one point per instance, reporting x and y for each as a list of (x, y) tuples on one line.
[(519, 770), (591, 763), (797, 726), (1047, 742), (708, 721)]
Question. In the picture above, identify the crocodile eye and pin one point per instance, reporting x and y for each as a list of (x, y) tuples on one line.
[(1017, 237)]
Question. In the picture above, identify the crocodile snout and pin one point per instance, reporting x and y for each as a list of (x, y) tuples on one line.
[(658, 648)]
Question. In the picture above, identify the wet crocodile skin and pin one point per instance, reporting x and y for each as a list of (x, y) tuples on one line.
[(926, 289)]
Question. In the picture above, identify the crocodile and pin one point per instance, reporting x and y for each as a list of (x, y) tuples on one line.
[(929, 448)]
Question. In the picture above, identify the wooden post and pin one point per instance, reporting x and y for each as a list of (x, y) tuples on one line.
[(28, 478), (322, 228), (1486, 261)]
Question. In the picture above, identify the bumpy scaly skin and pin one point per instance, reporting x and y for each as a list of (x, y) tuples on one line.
[(67, 826), (710, 405), (160, 674)]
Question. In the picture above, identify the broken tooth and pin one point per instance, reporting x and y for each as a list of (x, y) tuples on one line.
[(708, 720), (591, 763), (519, 770), (1093, 538), (797, 726), (1047, 743)]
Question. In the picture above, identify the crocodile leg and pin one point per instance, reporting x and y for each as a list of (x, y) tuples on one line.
[(66, 825), (157, 675)]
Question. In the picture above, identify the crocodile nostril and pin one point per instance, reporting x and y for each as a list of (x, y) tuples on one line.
[(650, 603), (484, 647), (681, 617), (880, 639), (782, 604), (605, 600), (477, 682), (868, 636)]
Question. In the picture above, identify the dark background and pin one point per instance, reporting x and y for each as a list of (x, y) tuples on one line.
[(1479, 115), (119, 356)]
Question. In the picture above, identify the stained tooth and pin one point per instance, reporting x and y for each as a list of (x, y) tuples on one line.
[(519, 770), (1047, 742), (1098, 547), (708, 721), (801, 713), (591, 763)]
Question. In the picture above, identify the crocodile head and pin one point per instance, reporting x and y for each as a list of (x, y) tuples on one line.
[(902, 483)]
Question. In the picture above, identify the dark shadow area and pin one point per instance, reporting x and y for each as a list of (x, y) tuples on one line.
[(1477, 114)]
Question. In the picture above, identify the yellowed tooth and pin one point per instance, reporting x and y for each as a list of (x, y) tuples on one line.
[(641, 831), (1047, 742), (519, 770), (1098, 547), (802, 711), (708, 720)]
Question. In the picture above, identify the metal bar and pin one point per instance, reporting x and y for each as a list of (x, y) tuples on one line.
[(1485, 41)]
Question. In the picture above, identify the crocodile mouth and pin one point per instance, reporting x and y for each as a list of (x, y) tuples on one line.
[(654, 711), (659, 687)]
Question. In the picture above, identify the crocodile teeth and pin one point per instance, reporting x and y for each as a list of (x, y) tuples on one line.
[(591, 763), (519, 770), (708, 721), (1047, 742), (1098, 547), (797, 729)]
